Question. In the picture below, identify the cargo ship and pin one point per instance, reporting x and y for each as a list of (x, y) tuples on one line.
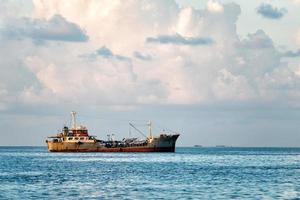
[(77, 139)]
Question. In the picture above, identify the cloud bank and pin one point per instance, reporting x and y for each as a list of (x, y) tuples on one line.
[(56, 29), (179, 40), (140, 52)]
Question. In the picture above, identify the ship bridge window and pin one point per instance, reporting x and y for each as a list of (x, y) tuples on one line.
[(76, 138), (70, 138), (81, 138)]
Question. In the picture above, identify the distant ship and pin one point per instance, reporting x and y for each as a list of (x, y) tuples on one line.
[(77, 139), (222, 146), (198, 145)]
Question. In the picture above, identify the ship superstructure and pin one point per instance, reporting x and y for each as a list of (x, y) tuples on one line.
[(77, 139)]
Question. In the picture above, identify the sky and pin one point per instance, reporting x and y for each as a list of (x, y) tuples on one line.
[(218, 72)]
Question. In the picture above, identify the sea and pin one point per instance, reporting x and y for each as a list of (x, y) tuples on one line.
[(189, 173)]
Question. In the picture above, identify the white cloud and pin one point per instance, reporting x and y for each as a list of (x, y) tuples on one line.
[(112, 22), (187, 19), (117, 66), (228, 86), (297, 2), (215, 6), (297, 37), (98, 82), (297, 72)]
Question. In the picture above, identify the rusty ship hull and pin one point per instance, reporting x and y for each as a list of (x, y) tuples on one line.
[(77, 139), (114, 150), (163, 143)]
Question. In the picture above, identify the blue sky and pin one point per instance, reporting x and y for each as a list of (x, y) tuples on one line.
[(219, 72)]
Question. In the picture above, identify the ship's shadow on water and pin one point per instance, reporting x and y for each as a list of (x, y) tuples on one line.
[(189, 173)]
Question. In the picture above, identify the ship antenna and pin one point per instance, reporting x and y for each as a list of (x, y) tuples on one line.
[(73, 120), (150, 129)]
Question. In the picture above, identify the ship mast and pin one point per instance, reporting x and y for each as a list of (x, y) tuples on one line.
[(150, 129), (73, 120)]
